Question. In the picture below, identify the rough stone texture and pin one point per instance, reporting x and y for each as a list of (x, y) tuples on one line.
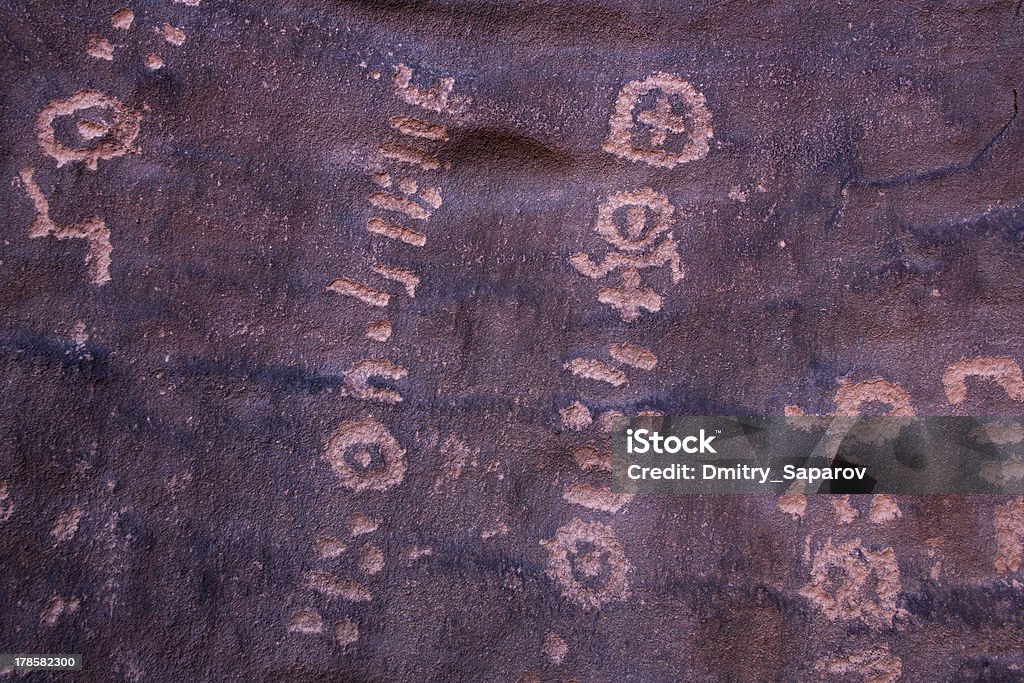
[(316, 185)]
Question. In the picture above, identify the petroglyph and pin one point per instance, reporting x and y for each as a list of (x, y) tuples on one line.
[(390, 202), (371, 560), (409, 155), (432, 196), (883, 509), (555, 648), (419, 129), (850, 399), (122, 19), (458, 456), (850, 582), (641, 233), (405, 195), (358, 436), (90, 130), (408, 185), (356, 290), (1009, 528), (66, 526), (1004, 371), (6, 504), (173, 35), (630, 297), (596, 370), (403, 276), (328, 547), (598, 498), (416, 553), (637, 248), (379, 331), (845, 513), (436, 98), (576, 417), (1011, 470), (362, 453), (384, 228), (124, 125), (429, 194), (93, 230), (873, 665), (612, 421), (56, 607), (346, 632), (360, 524), (793, 504), (592, 458), (662, 122), (601, 499), (851, 396), (633, 355), (999, 433), (306, 621), (99, 47), (587, 562), (333, 587), (357, 380)]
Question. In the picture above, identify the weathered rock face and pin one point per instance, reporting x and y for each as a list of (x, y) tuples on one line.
[(315, 316)]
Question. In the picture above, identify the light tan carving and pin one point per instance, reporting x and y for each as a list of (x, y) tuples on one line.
[(661, 123)]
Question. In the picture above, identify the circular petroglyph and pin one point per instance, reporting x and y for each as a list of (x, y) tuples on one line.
[(851, 397), (851, 582), (676, 110), (587, 562), (648, 215), (365, 456), (1001, 369), (109, 130)]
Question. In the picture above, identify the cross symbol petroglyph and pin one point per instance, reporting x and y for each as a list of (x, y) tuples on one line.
[(662, 121)]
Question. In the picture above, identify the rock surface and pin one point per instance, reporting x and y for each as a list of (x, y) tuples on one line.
[(314, 317)]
